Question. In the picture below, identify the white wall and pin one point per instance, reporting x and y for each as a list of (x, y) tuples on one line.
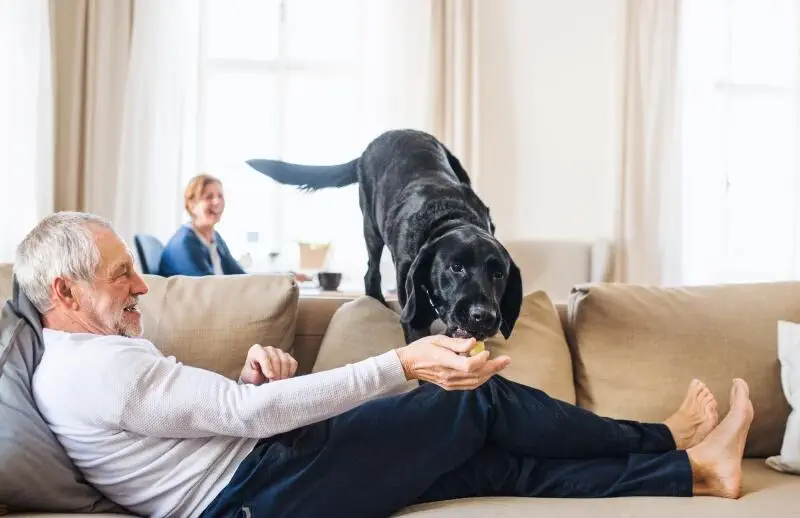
[(549, 115)]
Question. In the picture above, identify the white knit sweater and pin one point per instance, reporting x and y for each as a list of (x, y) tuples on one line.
[(162, 438)]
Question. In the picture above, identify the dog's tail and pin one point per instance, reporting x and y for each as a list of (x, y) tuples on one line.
[(307, 177)]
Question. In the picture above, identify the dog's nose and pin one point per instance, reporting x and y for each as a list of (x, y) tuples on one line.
[(480, 314)]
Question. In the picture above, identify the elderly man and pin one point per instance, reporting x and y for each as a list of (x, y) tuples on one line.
[(166, 439)]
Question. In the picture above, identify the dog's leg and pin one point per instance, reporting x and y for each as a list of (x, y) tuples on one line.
[(372, 279)]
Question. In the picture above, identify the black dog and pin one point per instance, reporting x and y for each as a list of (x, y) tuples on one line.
[(417, 199)]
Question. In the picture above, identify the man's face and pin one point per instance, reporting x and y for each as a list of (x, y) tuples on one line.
[(109, 305)]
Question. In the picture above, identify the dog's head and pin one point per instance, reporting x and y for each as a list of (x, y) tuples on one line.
[(467, 279)]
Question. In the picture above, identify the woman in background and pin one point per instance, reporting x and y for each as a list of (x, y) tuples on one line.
[(197, 249)]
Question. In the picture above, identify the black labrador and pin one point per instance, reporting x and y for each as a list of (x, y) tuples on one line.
[(417, 199)]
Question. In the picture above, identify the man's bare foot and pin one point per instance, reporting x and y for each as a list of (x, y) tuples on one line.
[(695, 418), (717, 461)]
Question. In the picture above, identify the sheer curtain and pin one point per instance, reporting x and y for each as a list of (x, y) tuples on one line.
[(453, 103), (159, 127), (647, 248), (92, 47), (26, 124)]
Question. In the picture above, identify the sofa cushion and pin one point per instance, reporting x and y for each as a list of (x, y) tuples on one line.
[(314, 313), (538, 349), (765, 493), (789, 355), (360, 329), (636, 348), (211, 322), (35, 472)]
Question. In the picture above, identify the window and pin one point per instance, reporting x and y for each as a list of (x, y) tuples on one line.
[(739, 123), (281, 79)]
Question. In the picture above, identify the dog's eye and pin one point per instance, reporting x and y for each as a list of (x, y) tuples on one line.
[(457, 268), (498, 274)]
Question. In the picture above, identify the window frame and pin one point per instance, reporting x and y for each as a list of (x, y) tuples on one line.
[(282, 68), (728, 91)]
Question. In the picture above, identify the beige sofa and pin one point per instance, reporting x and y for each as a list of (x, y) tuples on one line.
[(623, 351)]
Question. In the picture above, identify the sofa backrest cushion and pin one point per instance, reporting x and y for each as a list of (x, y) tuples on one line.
[(360, 329), (636, 349), (211, 322), (538, 350)]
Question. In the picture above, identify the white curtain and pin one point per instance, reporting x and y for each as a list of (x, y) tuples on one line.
[(397, 66), (648, 224), (159, 128), (26, 120), (90, 64), (420, 70), (453, 99)]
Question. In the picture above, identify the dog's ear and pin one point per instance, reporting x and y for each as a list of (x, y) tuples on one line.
[(418, 311), (511, 303)]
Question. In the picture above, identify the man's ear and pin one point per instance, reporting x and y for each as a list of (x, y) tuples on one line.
[(418, 311), (511, 303), (63, 292)]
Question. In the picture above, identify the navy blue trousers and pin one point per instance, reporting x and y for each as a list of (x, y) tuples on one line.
[(429, 444)]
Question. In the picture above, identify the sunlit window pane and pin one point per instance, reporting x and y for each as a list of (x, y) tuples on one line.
[(763, 41), (739, 134), (761, 193), (703, 185), (241, 116), (320, 118), (319, 129), (704, 41), (324, 30), (241, 122), (242, 29), (280, 80)]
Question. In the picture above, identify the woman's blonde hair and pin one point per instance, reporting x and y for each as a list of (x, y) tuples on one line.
[(195, 189)]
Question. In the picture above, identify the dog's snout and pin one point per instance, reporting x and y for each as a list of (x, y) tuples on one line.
[(480, 314)]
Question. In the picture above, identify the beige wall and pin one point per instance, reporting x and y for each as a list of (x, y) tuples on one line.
[(549, 115)]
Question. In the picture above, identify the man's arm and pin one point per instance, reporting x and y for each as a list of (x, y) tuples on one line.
[(157, 396)]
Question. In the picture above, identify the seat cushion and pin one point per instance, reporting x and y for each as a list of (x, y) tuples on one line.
[(211, 322), (766, 493), (638, 347)]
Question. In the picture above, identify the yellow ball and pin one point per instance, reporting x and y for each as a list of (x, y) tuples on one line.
[(479, 348)]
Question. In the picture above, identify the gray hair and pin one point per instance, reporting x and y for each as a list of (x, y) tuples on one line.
[(61, 245)]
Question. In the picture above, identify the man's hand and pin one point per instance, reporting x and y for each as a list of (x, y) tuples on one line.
[(265, 364), (439, 359)]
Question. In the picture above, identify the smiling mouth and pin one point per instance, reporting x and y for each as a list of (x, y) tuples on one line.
[(132, 308)]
